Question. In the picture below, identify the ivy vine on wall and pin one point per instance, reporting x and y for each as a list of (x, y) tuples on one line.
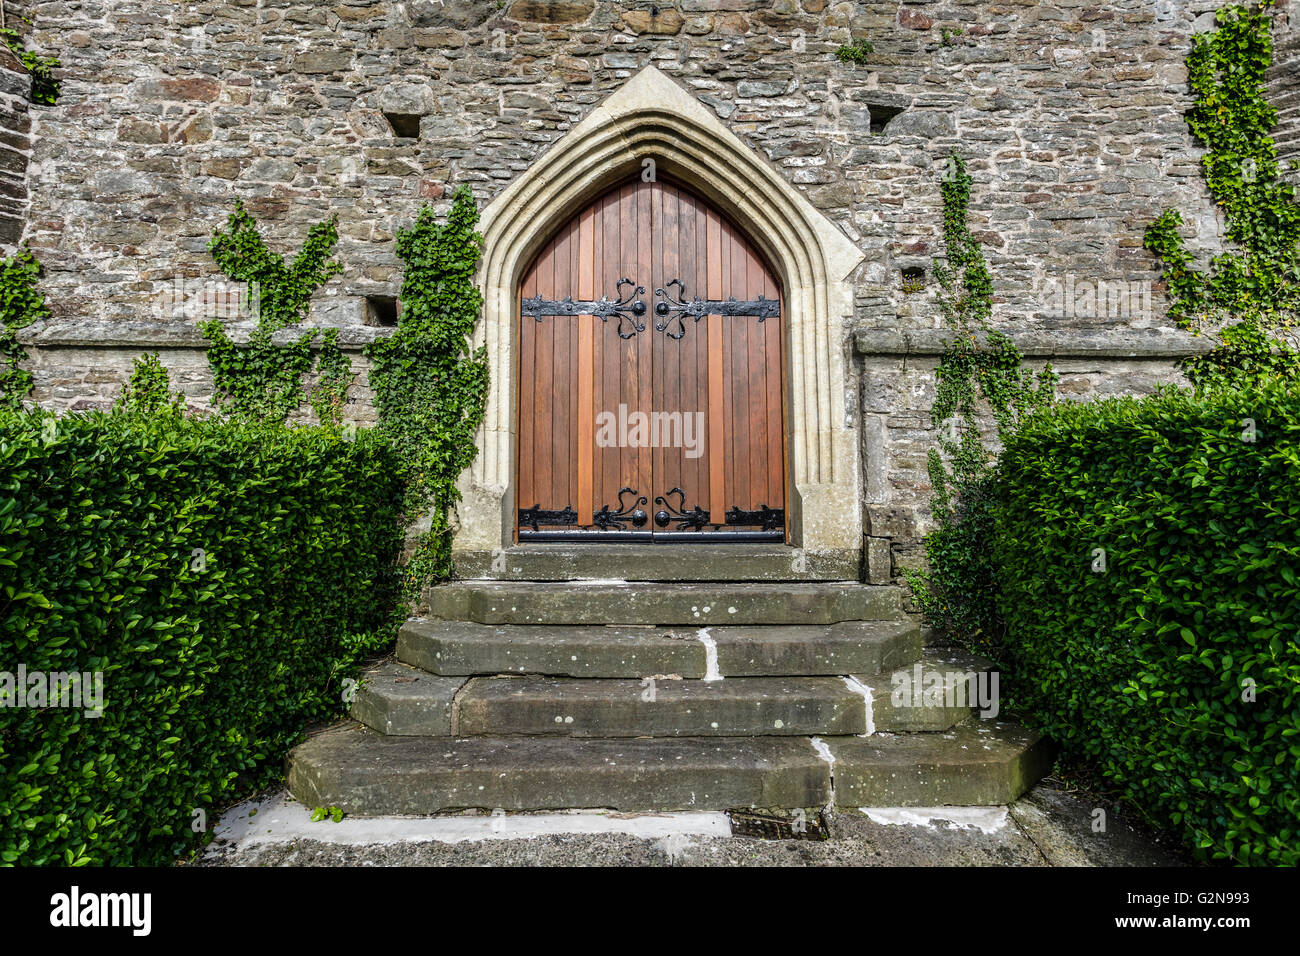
[(148, 392), (430, 388), (859, 51), (45, 85), (21, 304), (1256, 285), (263, 379), (980, 371)]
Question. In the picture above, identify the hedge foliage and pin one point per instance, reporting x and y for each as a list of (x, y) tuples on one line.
[(225, 578), (1147, 668)]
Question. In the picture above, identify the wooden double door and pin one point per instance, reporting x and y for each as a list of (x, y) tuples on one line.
[(650, 373)]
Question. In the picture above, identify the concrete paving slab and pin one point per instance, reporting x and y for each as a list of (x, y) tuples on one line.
[(274, 831)]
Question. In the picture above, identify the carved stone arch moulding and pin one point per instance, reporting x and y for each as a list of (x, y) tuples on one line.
[(651, 116)]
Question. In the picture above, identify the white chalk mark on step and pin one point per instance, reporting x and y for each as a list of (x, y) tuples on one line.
[(824, 752), (278, 820), (984, 819), (711, 671), (855, 685)]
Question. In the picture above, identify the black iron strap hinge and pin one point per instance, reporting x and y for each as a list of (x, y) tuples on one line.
[(624, 307), (674, 308)]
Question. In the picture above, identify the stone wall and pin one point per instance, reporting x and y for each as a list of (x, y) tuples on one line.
[(897, 393), (1070, 115), (15, 148)]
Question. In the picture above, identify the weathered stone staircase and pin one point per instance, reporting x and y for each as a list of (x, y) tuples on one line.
[(551, 686)]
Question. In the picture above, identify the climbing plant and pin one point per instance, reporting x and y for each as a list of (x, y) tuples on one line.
[(1255, 285), (333, 378), (262, 380), (148, 392), (21, 304), (430, 388), (45, 86), (1248, 355), (856, 52), (980, 370)]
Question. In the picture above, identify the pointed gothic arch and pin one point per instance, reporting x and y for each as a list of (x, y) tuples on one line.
[(652, 117)]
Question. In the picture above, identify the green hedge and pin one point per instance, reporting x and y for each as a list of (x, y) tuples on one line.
[(1141, 668), (212, 663)]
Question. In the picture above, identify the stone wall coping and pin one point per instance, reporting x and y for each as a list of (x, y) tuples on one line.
[(99, 334), (1102, 343), (1117, 344)]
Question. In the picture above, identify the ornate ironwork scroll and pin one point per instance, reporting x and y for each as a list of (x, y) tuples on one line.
[(607, 520), (534, 516), (674, 308), (624, 307), (771, 519), (696, 518)]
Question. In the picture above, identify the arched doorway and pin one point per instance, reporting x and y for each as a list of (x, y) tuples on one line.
[(650, 377), (651, 117)]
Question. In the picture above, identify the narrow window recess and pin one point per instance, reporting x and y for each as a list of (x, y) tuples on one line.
[(407, 125), (382, 311), (881, 115)]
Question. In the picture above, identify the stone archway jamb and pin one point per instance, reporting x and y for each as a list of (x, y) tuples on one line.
[(652, 116)]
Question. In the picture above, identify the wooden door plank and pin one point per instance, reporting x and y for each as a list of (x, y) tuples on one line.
[(757, 386), (606, 480), (737, 367), (636, 350), (718, 405), (544, 396), (659, 385), (585, 414), (624, 351), (694, 359), (670, 370), (560, 374)]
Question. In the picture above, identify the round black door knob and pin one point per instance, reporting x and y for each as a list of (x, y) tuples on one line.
[(638, 307), (662, 308), (662, 518), (639, 518)]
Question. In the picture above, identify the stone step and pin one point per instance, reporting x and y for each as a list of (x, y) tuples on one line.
[(978, 763), (369, 774), (698, 605), (658, 562), (736, 707), (930, 695), (458, 648), (396, 699)]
